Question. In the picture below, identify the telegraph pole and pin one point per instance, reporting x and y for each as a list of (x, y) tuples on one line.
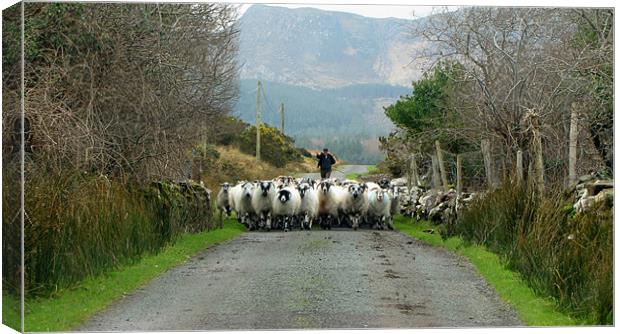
[(258, 121), (282, 117)]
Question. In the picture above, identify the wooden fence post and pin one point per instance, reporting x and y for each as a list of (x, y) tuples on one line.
[(459, 175), (485, 146), (442, 167), (572, 146), (436, 181), (413, 180)]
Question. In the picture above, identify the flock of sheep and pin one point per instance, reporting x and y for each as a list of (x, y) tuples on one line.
[(286, 202)]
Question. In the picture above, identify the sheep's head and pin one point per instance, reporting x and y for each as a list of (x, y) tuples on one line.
[(356, 190), (265, 186), (384, 183), (225, 186), (395, 191), (248, 187), (324, 186), (284, 195), (302, 189), (380, 194)]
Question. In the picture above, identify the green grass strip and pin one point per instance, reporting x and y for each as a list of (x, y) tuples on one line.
[(11, 311), (72, 307), (355, 176), (532, 309)]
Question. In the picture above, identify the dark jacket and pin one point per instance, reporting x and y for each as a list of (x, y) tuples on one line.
[(325, 161)]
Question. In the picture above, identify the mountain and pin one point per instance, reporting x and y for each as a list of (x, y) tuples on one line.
[(333, 71), (317, 48)]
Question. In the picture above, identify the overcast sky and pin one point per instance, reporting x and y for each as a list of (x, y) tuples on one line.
[(406, 9), (381, 11)]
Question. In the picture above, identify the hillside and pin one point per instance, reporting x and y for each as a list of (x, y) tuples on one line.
[(317, 48), (347, 119), (234, 165), (333, 71)]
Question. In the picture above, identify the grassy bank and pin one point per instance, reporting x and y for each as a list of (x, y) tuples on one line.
[(70, 307), (560, 253), (533, 310), (233, 165)]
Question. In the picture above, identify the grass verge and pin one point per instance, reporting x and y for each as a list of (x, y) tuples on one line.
[(355, 176), (532, 309), (71, 307)]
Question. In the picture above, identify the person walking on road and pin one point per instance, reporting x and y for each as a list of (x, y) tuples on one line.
[(326, 160)]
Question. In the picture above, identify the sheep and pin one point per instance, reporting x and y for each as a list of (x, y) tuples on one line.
[(394, 205), (223, 200), (242, 199), (384, 183), (286, 205), (348, 182), (283, 181), (371, 186), (309, 207), (354, 203), (379, 207), (330, 197), (262, 199)]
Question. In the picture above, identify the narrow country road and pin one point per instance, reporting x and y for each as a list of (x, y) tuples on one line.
[(340, 171), (312, 279)]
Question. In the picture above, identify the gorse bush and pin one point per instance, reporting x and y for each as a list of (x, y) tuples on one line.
[(276, 148), (80, 225), (561, 254)]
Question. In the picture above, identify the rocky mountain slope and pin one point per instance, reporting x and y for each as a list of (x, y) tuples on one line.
[(316, 48)]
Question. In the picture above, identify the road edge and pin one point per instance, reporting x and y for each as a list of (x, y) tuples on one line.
[(74, 306), (533, 310)]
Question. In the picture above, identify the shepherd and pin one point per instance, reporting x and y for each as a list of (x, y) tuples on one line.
[(326, 160)]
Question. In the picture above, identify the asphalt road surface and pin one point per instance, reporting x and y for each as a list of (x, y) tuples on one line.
[(339, 171), (312, 279)]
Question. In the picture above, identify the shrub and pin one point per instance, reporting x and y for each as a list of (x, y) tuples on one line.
[(276, 148), (78, 225), (566, 256), (227, 129)]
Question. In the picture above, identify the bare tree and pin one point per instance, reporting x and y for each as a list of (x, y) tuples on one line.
[(514, 59), (127, 89)]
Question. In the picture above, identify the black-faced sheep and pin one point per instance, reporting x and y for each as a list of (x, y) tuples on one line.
[(285, 206), (354, 203), (223, 200), (309, 208), (262, 200)]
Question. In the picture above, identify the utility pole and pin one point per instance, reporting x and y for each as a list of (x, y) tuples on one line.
[(282, 117), (258, 120)]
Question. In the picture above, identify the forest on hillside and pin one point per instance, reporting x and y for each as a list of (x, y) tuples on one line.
[(340, 118)]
